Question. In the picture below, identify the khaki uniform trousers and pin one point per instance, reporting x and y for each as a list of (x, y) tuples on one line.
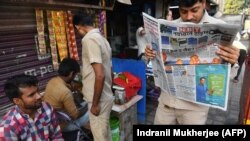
[(100, 126), (171, 116)]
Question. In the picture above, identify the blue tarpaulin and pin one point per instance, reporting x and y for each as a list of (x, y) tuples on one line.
[(137, 68)]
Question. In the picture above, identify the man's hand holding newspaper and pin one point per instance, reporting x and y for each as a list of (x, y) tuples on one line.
[(229, 54)]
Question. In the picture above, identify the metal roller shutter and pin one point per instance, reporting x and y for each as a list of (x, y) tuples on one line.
[(18, 49)]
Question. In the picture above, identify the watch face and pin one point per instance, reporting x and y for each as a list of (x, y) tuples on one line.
[(234, 70), (236, 65)]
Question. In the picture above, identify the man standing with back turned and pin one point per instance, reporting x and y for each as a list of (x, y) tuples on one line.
[(171, 110), (96, 73)]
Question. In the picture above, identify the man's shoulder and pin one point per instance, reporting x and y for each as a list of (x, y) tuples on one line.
[(47, 108), (52, 81), (46, 105), (93, 39), (55, 78), (93, 34), (56, 82), (177, 20), (10, 117), (211, 19), (6, 129)]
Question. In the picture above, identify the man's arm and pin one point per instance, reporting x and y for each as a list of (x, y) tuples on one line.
[(70, 106), (98, 87), (55, 130), (7, 134)]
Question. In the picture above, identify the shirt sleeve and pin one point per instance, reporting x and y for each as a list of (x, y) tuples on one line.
[(94, 51), (6, 134), (69, 105), (55, 129), (206, 90)]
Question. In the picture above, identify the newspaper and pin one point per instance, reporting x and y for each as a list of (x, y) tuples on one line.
[(186, 65)]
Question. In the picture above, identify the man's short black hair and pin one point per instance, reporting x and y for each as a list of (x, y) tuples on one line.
[(187, 3), (12, 85), (67, 66), (83, 18), (202, 78)]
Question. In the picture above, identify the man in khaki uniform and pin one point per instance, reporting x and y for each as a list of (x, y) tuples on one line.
[(96, 76), (176, 111)]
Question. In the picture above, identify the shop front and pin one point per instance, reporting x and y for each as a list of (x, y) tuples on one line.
[(36, 35)]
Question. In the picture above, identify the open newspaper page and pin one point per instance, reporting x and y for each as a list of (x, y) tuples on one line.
[(152, 28), (193, 70)]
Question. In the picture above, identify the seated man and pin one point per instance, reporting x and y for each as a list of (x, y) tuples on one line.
[(76, 87), (29, 113), (59, 94)]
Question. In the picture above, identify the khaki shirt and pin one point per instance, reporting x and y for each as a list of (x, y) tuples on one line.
[(96, 49), (59, 96)]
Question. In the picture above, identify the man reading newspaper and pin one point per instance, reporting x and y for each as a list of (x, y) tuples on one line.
[(172, 110)]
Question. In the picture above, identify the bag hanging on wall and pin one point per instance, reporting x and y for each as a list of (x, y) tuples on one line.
[(131, 83)]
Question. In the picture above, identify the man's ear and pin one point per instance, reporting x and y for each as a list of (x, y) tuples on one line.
[(77, 27), (71, 73), (16, 101), (204, 3)]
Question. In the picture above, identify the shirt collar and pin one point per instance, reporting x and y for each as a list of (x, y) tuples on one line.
[(62, 81), (19, 111), (95, 30), (205, 18)]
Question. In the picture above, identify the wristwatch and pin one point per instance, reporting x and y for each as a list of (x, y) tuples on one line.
[(236, 65), (234, 70)]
